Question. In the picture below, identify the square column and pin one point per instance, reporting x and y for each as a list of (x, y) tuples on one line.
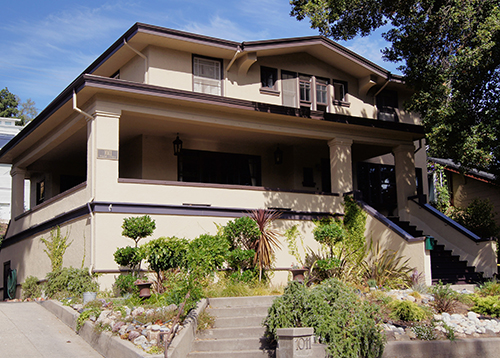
[(17, 192), (341, 165), (406, 184)]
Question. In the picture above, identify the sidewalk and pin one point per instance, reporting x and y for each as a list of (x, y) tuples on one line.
[(27, 330)]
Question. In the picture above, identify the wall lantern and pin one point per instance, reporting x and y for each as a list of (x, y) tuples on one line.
[(177, 145), (278, 155)]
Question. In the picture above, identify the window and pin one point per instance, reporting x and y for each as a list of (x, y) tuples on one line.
[(220, 168), (305, 88), (289, 88), (268, 77), (40, 192), (339, 91), (321, 91), (387, 103), (207, 75)]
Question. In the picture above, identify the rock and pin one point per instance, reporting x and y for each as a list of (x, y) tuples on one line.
[(155, 327), (153, 336), (116, 327), (411, 298), (472, 315), (133, 335), (138, 311), (139, 340), (409, 332), (122, 330)]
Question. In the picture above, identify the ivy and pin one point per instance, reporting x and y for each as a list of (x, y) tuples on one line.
[(56, 247)]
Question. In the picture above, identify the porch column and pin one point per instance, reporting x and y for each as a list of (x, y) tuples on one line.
[(341, 165), (102, 153), (17, 192), (406, 183)]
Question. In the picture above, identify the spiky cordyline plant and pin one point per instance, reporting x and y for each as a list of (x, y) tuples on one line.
[(268, 241)]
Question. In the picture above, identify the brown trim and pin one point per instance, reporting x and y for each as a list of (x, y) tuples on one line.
[(52, 200), (220, 186)]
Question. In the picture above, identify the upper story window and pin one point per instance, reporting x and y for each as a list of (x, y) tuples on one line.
[(268, 77), (387, 103), (207, 75), (339, 91), (305, 88), (322, 91)]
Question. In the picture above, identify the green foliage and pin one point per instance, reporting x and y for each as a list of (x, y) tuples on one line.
[(207, 253), (442, 200), (291, 236), (407, 311), (125, 284), (240, 259), (241, 233), (56, 247), (328, 232), (166, 253), (450, 332), (445, 299), (479, 217), (30, 288), (354, 224), (450, 55), (86, 314), (69, 281), (128, 256), (489, 288), (489, 305), (425, 331), (339, 317), (8, 104), (178, 284), (138, 227)]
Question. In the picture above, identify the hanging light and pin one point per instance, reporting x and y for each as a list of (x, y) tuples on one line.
[(278, 155), (177, 145)]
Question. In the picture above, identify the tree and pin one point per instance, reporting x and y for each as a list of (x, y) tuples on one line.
[(138, 227), (451, 55), (8, 104), (27, 112)]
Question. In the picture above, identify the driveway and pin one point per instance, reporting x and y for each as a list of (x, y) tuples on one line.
[(27, 330)]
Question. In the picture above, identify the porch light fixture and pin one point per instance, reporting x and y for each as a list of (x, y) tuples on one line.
[(278, 155), (177, 145)]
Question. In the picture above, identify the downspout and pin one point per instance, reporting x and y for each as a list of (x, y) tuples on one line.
[(92, 183), (146, 64), (238, 51)]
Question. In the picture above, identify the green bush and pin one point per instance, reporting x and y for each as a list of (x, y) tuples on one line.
[(125, 284), (490, 288), (30, 288), (329, 232), (241, 233), (407, 311), (445, 299), (479, 217), (339, 317), (426, 331), (354, 223), (128, 256), (207, 253), (239, 259), (138, 227), (489, 305), (70, 281)]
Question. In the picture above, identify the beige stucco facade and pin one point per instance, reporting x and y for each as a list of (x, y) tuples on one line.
[(102, 151)]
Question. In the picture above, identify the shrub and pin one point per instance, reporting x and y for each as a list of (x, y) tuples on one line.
[(407, 311), (425, 331), (241, 233), (207, 253), (489, 305), (56, 247), (125, 284), (128, 256), (239, 259), (490, 288), (30, 288), (339, 317), (479, 217), (69, 281), (445, 299), (354, 223), (329, 232), (138, 227)]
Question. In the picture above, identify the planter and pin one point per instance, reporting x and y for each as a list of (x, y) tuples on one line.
[(89, 296), (144, 289), (298, 274)]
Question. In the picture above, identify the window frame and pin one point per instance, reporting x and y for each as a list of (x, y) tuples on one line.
[(273, 72), (220, 72), (343, 99)]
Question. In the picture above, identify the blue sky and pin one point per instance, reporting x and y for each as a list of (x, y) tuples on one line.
[(47, 44)]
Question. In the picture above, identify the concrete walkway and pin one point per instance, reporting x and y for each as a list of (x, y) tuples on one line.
[(27, 330)]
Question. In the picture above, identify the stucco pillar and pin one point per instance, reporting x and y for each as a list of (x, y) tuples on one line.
[(17, 193), (102, 154), (406, 183), (341, 165)]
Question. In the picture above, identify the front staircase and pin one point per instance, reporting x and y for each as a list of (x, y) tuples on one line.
[(445, 266), (238, 330)]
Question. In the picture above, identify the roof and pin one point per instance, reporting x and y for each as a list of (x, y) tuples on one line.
[(473, 173)]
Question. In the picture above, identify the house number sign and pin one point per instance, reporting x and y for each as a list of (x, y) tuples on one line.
[(107, 154), (302, 343)]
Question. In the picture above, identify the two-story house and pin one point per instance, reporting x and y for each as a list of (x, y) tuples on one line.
[(195, 130)]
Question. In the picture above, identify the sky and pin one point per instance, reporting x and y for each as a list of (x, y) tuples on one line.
[(45, 45)]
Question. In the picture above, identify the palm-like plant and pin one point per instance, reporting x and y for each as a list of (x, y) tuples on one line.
[(267, 241)]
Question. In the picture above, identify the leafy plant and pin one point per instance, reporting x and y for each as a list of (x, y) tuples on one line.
[(479, 217), (291, 236), (407, 311), (354, 224), (125, 284), (56, 247), (329, 232), (425, 331), (489, 305), (241, 233), (207, 253), (267, 241), (339, 263), (129, 256), (138, 227), (31, 288), (240, 259), (86, 314), (69, 281), (339, 317), (166, 253), (445, 299), (489, 288)]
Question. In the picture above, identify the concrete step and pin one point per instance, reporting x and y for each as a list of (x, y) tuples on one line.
[(239, 344), (224, 333), (238, 311), (227, 302), (232, 354), (238, 322)]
